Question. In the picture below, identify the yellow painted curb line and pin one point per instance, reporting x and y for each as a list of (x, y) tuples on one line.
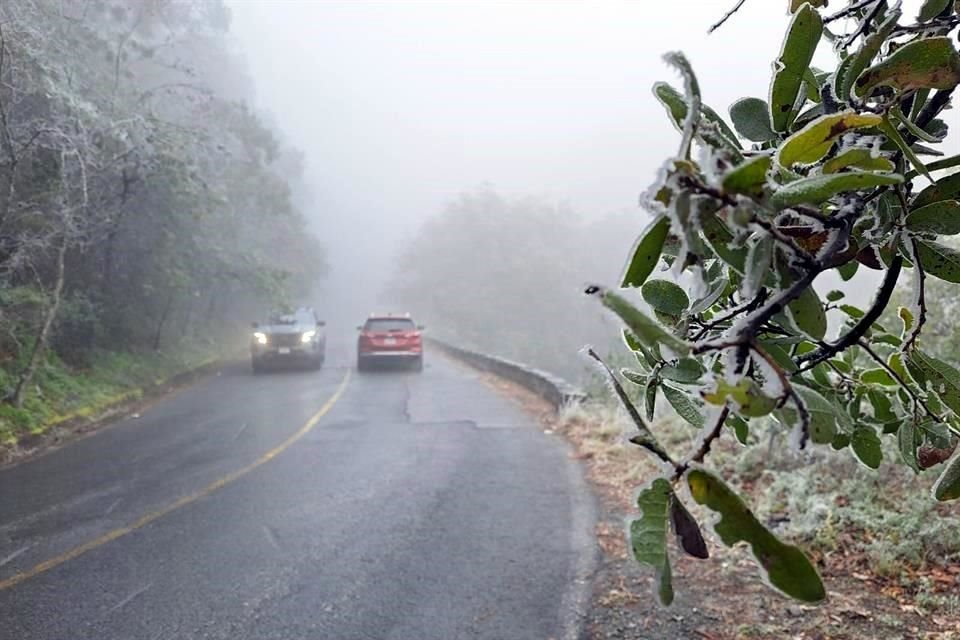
[(143, 521)]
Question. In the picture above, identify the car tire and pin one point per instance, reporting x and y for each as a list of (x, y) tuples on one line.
[(418, 364)]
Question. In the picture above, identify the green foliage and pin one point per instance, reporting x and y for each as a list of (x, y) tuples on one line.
[(646, 254), (648, 535), (787, 568), (828, 183)]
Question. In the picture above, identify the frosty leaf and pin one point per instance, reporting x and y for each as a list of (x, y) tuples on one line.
[(848, 270), (685, 407), (748, 178), (648, 535), (759, 258), (808, 315), (857, 159), (801, 41), (946, 188), (893, 134), (684, 371), (907, 443), (819, 189), (665, 297), (746, 396), (854, 65), (939, 260), (930, 63), (813, 142), (930, 9), (646, 253), (824, 415), (877, 376), (787, 567), (676, 106), (941, 377), (940, 218), (751, 119), (707, 301), (719, 238), (948, 484), (866, 446), (835, 295), (647, 330)]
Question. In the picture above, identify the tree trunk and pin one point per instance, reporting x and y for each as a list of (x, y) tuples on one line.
[(163, 321), (40, 343)]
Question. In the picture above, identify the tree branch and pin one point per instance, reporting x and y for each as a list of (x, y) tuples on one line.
[(726, 16)]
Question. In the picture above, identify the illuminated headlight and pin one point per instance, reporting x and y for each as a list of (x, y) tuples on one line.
[(261, 338), (307, 336)]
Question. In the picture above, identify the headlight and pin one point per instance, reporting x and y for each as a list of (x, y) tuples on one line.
[(307, 336), (261, 338)]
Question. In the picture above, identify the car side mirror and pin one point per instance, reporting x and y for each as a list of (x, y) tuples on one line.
[(321, 323), (255, 325), (420, 327), (359, 328)]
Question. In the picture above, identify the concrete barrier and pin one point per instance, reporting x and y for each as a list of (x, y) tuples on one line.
[(551, 388)]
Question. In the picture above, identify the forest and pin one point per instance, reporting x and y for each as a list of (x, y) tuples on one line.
[(145, 209)]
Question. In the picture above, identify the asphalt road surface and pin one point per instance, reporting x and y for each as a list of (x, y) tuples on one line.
[(301, 505)]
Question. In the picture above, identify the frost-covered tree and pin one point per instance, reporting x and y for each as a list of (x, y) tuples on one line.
[(828, 173)]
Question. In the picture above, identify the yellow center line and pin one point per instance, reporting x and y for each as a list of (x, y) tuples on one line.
[(143, 521)]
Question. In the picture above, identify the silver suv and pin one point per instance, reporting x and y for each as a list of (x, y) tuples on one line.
[(288, 338)]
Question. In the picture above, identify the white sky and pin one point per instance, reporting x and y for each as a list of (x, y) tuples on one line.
[(399, 106)]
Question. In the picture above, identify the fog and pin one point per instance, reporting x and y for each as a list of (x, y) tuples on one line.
[(402, 107)]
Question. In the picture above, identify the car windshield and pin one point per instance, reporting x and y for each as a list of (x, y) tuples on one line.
[(383, 325), (283, 318)]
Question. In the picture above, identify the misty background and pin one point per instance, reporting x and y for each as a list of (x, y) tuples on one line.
[(409, 111)]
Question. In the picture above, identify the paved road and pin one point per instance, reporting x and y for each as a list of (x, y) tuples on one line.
[(417, 506)]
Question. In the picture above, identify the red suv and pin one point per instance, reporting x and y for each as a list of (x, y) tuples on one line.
[(386, 337)]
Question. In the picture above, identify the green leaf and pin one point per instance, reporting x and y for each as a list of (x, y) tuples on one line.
[(644, 355), (819, 189), (813, 142), (707, 301), (946, 188), (779, 355), (824, 415), (665, 297), (866, 446), (648, 535), (635, 377), (858, 159), (893, 134), (882, 406), (751, 119), (938, 260), (940, 218), (647, 330), (801, 42), (907, 442), (687, 530), (748, 399), (748, 178), (939, 376), (787, 567), (685, 407), (877, 376), (740, 428), (646, 253), (848, 270), (926, 63), (851, 311), (684, 371), (676, 106), (805, 312), (948, 484), (854, 65), (650, 397), (835, 295), (719, 238), (759, 259), (930, 9)]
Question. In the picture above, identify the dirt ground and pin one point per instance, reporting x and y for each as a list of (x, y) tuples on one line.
[(724, 597)]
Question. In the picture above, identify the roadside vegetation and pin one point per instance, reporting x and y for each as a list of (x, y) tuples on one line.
[(146, 213)]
